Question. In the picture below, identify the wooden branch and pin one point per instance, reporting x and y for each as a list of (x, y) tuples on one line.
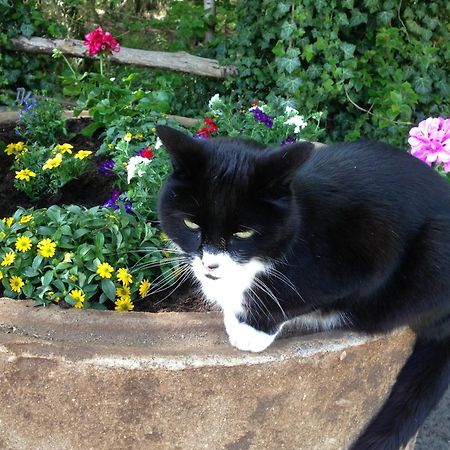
[(179, 61)]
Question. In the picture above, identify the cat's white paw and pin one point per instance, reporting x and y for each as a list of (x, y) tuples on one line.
[(246, 338)]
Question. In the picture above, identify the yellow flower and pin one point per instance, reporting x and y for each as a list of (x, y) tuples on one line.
[(8, 221), (10, 149), (16, 283), (8, 259), (65, 148), (73, 277), (123, 304), (82, 154), (78, 295), (25, 174), (26, 219), (104, 270), (144, 287), (52, 163), (163, 237), (127, 137), (23, 244), (138, 136), (1, 275), (123, 292), (46, 248), (20, 147), (110, 145), (124, 276), (2, 234)]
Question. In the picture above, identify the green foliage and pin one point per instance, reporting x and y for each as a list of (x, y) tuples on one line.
[(33, 72), (41, 121), (373, 67), (66, 246)]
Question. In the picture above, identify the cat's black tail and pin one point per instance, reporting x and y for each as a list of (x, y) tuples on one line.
[(420, 384)]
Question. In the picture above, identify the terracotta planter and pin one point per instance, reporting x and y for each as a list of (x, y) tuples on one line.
[(73, 379)]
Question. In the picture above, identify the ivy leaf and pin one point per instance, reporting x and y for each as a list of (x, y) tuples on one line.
[(27, 29), (287, 28), (288, 64), (422, 85), (278, 50), (348, 49)]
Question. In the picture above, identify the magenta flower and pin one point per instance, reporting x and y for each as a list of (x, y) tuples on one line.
[(101, 41), (430, 141)]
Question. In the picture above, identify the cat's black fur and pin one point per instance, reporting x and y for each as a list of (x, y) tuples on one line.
[(359, 228)]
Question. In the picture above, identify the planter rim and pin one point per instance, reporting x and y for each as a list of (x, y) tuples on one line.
[(142, 340)]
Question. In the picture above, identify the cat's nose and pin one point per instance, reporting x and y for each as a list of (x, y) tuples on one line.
[(211, 266)]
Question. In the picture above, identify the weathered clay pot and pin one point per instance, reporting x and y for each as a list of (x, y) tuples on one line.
[(73, 379)]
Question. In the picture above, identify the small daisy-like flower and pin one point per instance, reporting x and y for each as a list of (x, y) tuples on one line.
[(144, 287), (73, 277), (104, 270), (123, 292), (1, 275), (10, 149), (53, 163), (82, 154), (24, 174), (127, 137), (20, 146), (138, 136), (26, 219), (16, 283), (46, 248), (124, 276), (8, 221), (124, 304), (8, 259), (23, 244), (64, 148), (78, 295), (2, 235)]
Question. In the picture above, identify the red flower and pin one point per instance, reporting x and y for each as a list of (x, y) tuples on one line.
[(254, 103), (211, 125), (204, 131), (100, 41), (146, 153)]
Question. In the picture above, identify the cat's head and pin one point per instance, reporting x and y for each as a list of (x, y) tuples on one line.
[(229, 204)]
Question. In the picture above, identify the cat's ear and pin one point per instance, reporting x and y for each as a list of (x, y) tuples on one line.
[(282, 163), (186, 153)]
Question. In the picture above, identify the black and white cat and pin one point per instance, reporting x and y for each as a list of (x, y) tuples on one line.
[(354, 235)]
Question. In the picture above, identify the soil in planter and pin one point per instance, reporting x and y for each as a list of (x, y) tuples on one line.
[(93, 189)]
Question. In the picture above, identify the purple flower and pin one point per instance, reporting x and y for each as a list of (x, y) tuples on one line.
[(261, 116), (288, 140), (106, 167), (430, 141), (117, 197)]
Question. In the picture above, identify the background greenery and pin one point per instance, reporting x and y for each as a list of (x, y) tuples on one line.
[(373, 67)]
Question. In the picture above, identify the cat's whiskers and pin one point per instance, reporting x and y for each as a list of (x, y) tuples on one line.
[(261, 285), (179, 281), (184, 273), (257, 302), (159, 263), (283, 278)]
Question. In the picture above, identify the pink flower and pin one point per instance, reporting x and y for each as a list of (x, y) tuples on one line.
[(100, 41), (430, 141)]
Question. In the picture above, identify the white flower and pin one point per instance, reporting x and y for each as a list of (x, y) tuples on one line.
[(135, 167), (158, 143), (298, 121), (215, 104), (289, 110)]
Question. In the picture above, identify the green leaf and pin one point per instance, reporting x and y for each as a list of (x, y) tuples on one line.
[(109, 289), (47, 278), (278, 50)]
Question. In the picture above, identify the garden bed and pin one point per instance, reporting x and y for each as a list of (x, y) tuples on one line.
[(90, 190)]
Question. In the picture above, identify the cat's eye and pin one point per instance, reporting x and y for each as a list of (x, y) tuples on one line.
[(191, 225), (244, 234)]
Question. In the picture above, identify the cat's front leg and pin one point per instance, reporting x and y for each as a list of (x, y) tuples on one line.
[(244, 337)]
